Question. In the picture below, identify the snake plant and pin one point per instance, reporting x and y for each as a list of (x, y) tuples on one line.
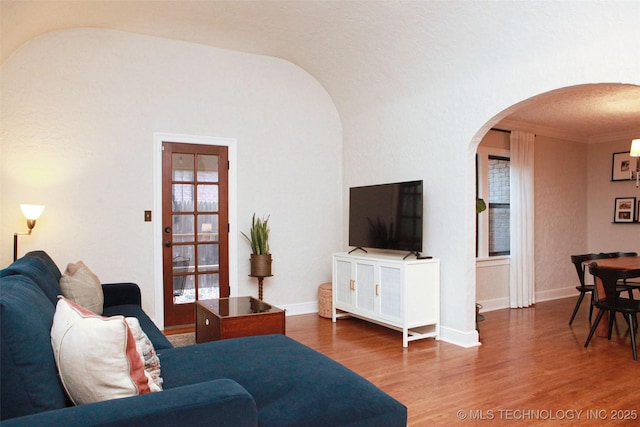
[(259, 239)]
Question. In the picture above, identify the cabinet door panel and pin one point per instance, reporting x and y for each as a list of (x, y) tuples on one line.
[(365, 283), (391, 292), (343, 282)]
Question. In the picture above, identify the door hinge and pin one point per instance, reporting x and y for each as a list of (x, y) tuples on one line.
[(228, 164)]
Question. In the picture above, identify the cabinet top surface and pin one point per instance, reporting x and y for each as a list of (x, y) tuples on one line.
[(237, 306), (373, 256)]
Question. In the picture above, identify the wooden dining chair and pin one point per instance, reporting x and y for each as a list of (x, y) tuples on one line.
[(621, 254), (578, 262), (632, 282), (612, 303)]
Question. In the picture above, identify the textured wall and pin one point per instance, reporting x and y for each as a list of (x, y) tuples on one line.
[(604, 235), (79, 112), (561, 191)]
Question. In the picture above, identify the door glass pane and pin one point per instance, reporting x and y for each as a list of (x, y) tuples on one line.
[(188, 289), (182, 167), (207, 198), (208, 258), (208, 286), (207, 168), (183, 253), (182, 196), (180, 270), (207, 228), (183, 278), (183, 228)]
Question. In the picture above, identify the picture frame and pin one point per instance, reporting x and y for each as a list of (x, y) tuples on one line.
[(622, 168), (625, 209)]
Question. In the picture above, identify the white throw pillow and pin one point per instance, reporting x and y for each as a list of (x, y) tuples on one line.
[(83, 287), (96, 356)]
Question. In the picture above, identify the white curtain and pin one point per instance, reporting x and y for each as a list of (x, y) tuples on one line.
[(521, 283)]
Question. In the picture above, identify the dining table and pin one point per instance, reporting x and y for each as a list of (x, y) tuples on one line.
[(628, 267)]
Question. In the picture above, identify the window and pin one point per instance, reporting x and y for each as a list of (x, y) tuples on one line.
[(498, 207), (493, 185)]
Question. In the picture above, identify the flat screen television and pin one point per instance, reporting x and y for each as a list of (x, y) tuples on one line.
[(386, 216)]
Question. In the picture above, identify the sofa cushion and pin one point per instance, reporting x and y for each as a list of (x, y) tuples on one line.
[(132, 310), (96, 356), (121, 294), (82, 286), (40, 268), (30, 382), (292, 384)]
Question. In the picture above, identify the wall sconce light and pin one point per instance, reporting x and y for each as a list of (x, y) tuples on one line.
[(31, 213), (634, 151)]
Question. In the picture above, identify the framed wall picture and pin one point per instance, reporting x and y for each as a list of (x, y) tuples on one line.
[(623, 168), (625, 209)]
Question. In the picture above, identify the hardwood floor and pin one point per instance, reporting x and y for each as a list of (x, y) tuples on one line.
[(531, 368)]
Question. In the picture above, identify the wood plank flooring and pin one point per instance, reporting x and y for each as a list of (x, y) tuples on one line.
[(531, 368)]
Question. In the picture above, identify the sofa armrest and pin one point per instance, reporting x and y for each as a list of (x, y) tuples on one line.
[(221, 402), (121, 294)]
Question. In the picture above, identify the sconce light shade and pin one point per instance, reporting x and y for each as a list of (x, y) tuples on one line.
[(31, 213), (635, 148)]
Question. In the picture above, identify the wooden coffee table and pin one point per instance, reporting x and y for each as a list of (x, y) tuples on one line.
[(234, 317)]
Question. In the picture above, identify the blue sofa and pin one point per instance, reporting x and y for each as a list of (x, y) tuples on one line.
[(256, 381)]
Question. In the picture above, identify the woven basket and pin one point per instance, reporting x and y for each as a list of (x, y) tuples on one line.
[(325, 303)]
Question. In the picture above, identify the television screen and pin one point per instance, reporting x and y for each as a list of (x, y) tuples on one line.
[(386, 216)]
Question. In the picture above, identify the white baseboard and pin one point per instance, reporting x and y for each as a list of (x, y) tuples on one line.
[(301, 308), (500, 303), (459, 338), (494, 304), (556, 294)]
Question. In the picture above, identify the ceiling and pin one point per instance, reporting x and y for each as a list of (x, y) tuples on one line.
[(588, 112), (331, 40)]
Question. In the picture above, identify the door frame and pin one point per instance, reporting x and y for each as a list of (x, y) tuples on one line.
[(231, 144)]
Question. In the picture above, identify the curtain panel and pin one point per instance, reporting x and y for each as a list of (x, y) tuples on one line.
[(522, 274)]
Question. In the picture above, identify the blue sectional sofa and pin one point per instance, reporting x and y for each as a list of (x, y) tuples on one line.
[(256, 381)]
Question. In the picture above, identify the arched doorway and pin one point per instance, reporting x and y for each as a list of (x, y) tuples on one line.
[(577, 128)]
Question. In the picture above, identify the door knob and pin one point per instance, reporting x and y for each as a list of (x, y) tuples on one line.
[(167, 243)]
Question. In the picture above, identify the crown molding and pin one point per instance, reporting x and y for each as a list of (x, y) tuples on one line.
[(508, 124), (618, 136)]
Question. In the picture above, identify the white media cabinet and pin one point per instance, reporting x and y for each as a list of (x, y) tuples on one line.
[(387, 290)]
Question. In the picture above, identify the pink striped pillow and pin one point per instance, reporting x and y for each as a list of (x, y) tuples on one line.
[(96, 356)]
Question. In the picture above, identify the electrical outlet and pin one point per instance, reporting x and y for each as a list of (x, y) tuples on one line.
[(147, 216)]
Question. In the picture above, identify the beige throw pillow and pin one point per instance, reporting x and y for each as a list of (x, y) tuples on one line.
[(96, 356), (83, 287)]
